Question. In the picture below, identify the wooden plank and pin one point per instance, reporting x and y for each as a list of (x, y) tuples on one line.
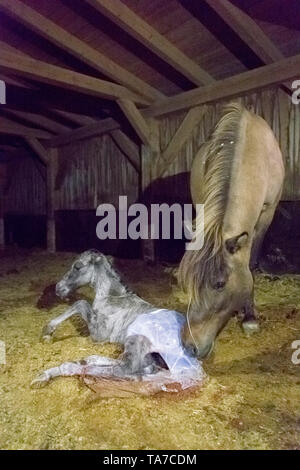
[(183, 133), (85, 132), (137, 121), (51, 202), (237, 85), (249, 31), (73, 45), (128, 148), (2, 210), (9, 127), (79, 119), (39, 149), (124, 17), (147, 159), (40, 120), (13, 81), (24, 66)]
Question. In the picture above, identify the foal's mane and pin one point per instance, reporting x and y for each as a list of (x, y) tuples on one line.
[(198, 268)]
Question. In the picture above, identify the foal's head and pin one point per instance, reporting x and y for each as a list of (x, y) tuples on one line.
[(93, 268)]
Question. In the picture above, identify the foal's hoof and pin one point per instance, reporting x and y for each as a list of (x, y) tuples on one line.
[(47, 332), (250, 327), (47, 339), (40, 381)]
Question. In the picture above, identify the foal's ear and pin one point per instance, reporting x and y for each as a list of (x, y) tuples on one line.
[(235, 243)]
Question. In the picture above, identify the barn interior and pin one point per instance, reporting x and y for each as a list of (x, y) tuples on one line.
[(104, 99)]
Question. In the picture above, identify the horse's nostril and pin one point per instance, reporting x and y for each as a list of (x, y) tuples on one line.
[(191, 350)]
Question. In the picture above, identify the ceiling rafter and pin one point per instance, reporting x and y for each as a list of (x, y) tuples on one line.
[(126, 19), (24, 66), (91, 130), (12, 128), (236, 85), (248, 30), (39, 120), (78, 48)]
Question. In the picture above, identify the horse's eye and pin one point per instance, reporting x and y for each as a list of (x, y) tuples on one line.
[(219, 285)]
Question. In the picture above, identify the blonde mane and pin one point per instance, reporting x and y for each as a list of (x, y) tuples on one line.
[(198, 268)]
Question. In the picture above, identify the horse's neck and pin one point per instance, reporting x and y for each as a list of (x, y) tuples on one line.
[(105, 286)]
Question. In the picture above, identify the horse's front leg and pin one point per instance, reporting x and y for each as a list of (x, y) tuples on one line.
[(82, 308), (92, 365)]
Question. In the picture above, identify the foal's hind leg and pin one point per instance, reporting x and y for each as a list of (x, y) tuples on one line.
[(92, 365), (81, 307)]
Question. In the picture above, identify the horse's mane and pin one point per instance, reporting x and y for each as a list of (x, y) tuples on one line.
[(199, 267)]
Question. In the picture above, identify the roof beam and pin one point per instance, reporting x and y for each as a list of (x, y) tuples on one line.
[(10, 127), (70, 43), (248, 30), (128, 148), (38, 148), (138, 122), (40, 120), (237, 85), (124, 17), (24, 66), (92, 130), (78, 119), (183, 133)]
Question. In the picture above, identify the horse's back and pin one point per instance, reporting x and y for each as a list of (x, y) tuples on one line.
[(256, 177), (256, 174)]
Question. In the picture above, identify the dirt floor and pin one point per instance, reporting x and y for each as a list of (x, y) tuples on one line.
[(250, 401)]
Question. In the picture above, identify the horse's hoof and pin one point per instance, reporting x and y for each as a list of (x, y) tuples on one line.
[(250, 327), (40, 381)]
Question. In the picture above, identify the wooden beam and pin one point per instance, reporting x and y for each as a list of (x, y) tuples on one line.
[(7, 148), (40, 120), (248, 30), (237, 85), (183, 133), (138, 122), (2, 211), (124, 17), (13, 81), (78, 119), (24, 66), (39, 149), (10, 127), (73, 45), (92, 130), (128, 148), (51, 201)]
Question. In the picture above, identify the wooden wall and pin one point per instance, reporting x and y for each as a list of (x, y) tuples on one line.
[(274, 106), (90, 172), (26, 193), (95, 171)]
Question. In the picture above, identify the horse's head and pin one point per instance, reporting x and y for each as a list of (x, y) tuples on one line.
[(82, 272), (218, 286)]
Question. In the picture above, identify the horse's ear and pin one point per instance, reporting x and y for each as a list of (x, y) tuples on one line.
[(234, 244)]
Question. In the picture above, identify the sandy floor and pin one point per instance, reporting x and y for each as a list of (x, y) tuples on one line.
[(251, 400)]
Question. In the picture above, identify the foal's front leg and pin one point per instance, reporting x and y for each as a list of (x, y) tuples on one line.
[(81, 307)]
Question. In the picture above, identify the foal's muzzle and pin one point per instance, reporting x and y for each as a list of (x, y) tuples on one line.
[(62, 291)]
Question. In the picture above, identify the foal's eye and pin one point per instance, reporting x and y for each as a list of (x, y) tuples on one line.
[(78, 266), (219, 285)]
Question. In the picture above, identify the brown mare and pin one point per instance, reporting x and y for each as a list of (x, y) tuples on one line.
[(238, 176)]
